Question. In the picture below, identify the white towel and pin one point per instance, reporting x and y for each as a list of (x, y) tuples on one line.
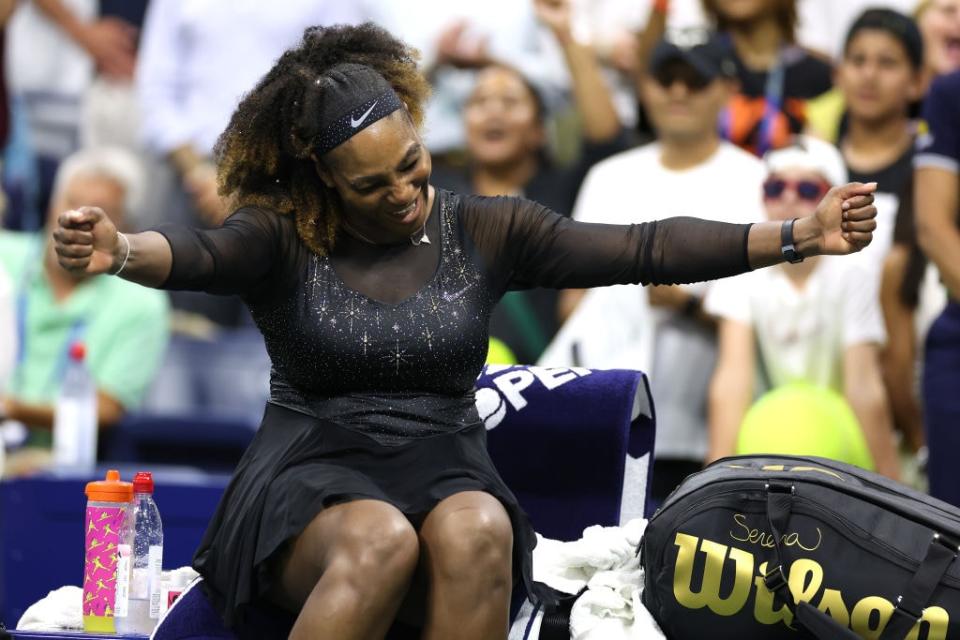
[(604, 561), (61, 609)]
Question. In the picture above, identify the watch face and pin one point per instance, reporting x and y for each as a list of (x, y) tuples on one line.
[(791, 256)]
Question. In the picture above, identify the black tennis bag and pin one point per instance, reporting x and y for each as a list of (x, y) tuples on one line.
[(788, 547)]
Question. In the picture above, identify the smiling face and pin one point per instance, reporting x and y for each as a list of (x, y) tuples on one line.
[(876, 77), (940, 25), (381, 176), (502, 119)]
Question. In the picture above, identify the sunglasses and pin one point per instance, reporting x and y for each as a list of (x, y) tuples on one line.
[(809, 190), (683, 73)]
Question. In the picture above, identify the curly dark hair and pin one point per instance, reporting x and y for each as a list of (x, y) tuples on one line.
[(265, 156)]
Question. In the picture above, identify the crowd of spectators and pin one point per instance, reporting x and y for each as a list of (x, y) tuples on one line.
[(609, 111)]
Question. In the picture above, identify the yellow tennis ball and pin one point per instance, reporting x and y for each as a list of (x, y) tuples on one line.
[(805, 420), (499, 353)]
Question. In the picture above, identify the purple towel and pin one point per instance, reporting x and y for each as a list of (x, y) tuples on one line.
[(574, 445)]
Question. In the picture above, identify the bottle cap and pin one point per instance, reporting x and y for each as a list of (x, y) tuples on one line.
[(143, 482), (77, 352), (112, 489)]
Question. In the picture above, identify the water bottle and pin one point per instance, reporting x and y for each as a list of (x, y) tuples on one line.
[(142, 609), (108, 515), (75, 417)]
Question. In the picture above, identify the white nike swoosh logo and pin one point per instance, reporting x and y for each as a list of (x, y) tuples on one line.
[(357, 123), (451, 297)]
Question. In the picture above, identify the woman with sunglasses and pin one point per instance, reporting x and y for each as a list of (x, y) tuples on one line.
[(817, 321), (369, 486)]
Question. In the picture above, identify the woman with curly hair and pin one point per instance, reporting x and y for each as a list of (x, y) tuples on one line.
[(368, 484)]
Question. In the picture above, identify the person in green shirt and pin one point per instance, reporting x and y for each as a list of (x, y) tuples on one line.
[(124, 327)]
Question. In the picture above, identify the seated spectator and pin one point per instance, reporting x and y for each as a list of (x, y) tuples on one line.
[(505, 122), (123, 326), (817, 321), (777, 77), (661, 330)]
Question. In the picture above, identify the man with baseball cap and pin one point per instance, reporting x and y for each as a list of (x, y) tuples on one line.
[(661, 330)]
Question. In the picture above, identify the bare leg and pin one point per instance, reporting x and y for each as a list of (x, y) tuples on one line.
[(466, 544), (348, 571)]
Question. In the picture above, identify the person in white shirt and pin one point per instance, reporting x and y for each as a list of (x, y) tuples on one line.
[(661, 330), (817, 321)]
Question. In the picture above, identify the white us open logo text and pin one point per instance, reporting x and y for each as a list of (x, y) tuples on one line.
[(492, 402)]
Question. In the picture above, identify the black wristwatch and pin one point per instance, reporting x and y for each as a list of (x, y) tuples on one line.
[(787, 247)]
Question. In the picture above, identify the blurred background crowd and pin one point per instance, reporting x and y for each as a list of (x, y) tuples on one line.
[(610, 111)]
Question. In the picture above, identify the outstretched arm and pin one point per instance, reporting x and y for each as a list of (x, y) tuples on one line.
[(528, 245)]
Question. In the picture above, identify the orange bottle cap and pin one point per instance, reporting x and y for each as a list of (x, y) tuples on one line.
[(110, 490)]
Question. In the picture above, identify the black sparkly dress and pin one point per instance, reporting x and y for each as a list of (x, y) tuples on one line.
[(376, 350)]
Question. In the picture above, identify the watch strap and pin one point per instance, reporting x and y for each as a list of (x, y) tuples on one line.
[(787, 246)]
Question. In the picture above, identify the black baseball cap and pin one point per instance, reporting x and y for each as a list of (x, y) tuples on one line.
[(706, 52)]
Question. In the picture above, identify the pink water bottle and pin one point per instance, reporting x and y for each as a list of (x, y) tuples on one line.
[(109, 505)]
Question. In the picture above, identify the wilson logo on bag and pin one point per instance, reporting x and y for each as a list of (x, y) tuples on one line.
[(767, 547)]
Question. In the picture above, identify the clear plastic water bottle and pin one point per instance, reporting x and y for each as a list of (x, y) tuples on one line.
[(143, 609), (75, 416)]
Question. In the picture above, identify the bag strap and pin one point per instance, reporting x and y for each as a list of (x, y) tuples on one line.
[(919, 591), (816, 622), (555, 624)]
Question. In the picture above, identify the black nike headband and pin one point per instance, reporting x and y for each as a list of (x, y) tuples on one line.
[(352, 97)]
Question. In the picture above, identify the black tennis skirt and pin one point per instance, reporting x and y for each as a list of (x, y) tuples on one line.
[(298, 465)]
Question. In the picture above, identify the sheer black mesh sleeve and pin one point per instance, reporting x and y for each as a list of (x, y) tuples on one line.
[(524, 244), (253, 250)]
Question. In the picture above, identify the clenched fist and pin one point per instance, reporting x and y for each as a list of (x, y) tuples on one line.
[(87, 242)]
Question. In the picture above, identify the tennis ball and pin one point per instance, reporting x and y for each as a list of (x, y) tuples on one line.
[(499, 353), (805, 420)]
